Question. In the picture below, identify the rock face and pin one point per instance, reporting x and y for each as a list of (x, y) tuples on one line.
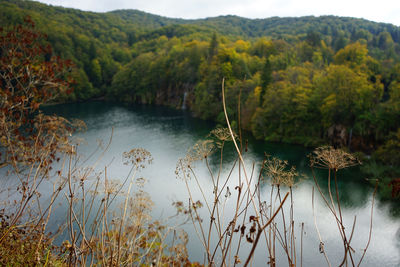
[(337, 135), (179, 98)]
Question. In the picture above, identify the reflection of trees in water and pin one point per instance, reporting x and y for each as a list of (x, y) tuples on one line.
[(80, 110), (177, 121), (354, 191)]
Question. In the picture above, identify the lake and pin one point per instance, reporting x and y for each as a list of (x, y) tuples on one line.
[(168, 134)]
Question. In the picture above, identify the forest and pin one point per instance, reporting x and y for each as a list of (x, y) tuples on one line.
[(307, 80), (331, 84)]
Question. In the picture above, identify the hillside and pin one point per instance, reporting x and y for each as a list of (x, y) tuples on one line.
[(343, 73), (134, 20)]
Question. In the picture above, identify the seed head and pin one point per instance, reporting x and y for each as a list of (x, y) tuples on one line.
[(327, 157), (138, 157), (221, 135), (279, 172)]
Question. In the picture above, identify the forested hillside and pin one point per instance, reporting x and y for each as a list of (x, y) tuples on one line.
[(307, 80)]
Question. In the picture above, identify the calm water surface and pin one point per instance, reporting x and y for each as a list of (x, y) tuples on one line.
[(168, 134)]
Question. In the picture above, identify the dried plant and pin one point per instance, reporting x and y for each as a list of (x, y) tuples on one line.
[(137, 157), (38, 149), (279, 172), (328, 157), (26, 245), (225, 239), (333, 160), (201, 150), (254, 214), (221, 136), (101, 236), (183, 167)]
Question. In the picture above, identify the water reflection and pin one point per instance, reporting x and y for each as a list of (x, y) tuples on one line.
[(168, 134)]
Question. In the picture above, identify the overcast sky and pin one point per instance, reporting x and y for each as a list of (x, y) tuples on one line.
[(375, 10)]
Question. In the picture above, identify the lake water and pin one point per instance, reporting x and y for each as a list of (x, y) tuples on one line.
[(168, 134)]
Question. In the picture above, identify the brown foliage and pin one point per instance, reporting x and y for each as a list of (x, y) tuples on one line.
[(30, 75)]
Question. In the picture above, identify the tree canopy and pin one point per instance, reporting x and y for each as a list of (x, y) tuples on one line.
[(306, 80)]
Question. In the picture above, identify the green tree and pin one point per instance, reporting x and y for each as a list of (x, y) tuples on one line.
[(266, 77), (213, 47), (95, 75), (352, 55), (345, 94)]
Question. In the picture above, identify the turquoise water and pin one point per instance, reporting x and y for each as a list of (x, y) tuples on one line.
[(168, 134)]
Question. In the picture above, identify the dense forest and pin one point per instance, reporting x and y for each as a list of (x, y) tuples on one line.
[(308, 80), (312, 81)]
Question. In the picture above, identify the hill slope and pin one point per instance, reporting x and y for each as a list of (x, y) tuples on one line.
[(292, 72)]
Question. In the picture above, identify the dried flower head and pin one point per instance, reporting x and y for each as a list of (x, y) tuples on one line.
[(138, 157), (183, 167), (112, 186), (279, 172), (201, 150), (140, 206), (221, 135), (327, 157)]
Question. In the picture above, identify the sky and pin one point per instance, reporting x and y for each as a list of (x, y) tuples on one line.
[(376, 10)]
